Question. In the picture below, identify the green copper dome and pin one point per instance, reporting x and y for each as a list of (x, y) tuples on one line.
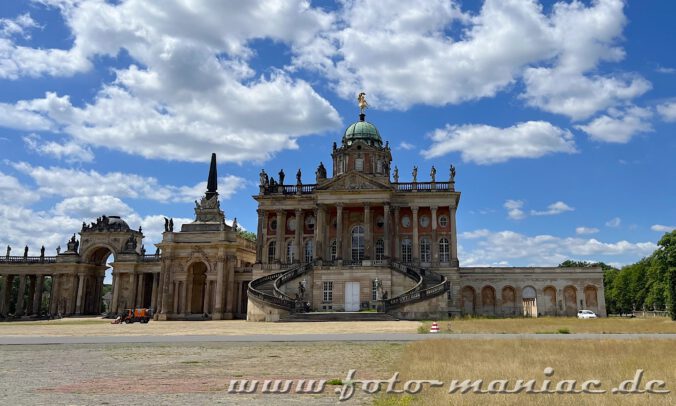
[(362, 130)]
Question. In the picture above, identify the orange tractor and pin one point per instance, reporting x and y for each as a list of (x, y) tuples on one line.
[(133, 315)]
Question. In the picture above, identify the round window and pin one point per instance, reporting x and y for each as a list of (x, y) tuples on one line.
[(406, 221), (291, 223), (424, 221), (443, 221), (310, 222), (273, 224), (380, 222)]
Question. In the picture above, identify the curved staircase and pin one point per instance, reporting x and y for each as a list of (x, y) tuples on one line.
[(266, 292)]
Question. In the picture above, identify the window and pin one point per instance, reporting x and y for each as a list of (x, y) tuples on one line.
[(291, 223), (406, 250), (289, 251), (357, 243), (380, 222), (443, 221), (444, 250), (406, 221), (379, 166), (310, 222), (359, 164), (425, 251), (334, 250), (374, 290), (328, 291), (271, 251), (424, 221), (308, 251), (273, 224), (380, 249)]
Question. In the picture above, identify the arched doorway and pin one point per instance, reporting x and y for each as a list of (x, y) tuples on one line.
[(591, 298), (550, 301), (529, 302), (98, 281), (468, 300), (508, 301), (488, 300), (197, 275), (570, 300)]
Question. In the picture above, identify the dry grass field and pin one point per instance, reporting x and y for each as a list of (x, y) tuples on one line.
[(553, 324), (609, 361)]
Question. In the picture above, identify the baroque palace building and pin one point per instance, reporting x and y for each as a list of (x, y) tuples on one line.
[(358, 239)]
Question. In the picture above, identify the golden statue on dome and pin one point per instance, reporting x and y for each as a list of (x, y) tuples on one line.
[(362, 102)]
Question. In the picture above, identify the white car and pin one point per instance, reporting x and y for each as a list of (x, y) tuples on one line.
[(586, 314)]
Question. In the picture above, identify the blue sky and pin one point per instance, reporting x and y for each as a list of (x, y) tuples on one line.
[(559, 116)]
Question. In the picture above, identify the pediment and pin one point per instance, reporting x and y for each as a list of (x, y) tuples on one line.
[(354, 181)]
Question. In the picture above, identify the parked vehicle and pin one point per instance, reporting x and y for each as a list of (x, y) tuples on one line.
[(586, 314), (133, 315)]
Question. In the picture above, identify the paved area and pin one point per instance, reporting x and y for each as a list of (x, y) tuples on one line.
[(291, 338)]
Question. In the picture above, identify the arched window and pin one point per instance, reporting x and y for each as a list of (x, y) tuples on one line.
[(289, 251), (380, 249), (357, 243), (272, 249), (406, 250), (334, 250), (425, 250), (444, 250), (308, 251)]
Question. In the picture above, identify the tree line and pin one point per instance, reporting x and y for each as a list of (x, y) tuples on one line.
[(649, 284)]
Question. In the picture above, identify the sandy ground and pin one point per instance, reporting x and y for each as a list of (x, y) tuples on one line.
[(101, 327), (197, 374)]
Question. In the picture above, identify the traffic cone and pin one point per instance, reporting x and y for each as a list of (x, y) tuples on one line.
[(434, 328)]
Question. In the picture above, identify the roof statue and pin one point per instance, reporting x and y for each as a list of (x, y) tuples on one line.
[(362, 102)]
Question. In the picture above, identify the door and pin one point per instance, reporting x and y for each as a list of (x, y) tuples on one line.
[(351, 296)]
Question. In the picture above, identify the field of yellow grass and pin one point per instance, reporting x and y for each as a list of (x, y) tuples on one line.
[(553, 324), (609, 361)]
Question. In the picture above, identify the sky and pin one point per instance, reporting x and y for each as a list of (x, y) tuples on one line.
[(558, 115)]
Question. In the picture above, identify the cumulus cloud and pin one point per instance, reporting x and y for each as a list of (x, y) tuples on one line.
[(586, 230), (484, 144), (68, 150), (662, 228), (68, 182), (19, 26), (433, 52), (667, 111), (189, 85), (614, 222), (553, 209), (618, 126), (13, 192), (493, 247), (514, 209)]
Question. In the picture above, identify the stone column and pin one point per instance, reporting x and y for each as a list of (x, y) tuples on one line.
[(116, 293), (368, 244), (397, 242), (54, 295), (184, 298), (230, 287), (72, 305), (339, 231), (386, 229), (416, 243), (134, 288), (281, 227), (153, 295), (264, 231), (454, 239), (5, 294), (37, 294), (80, 293), (160, 289), (260, 238), (298, 237), (169, 297), (31, 294), (435, 243), (218, 295), (19, 299), (205, 304), (177, 296), (319, 234), (140, 290)]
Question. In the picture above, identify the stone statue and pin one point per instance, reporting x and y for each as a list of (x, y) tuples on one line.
[(387, 145), (452, 173), (58, 250), (9, 250), (140, 229), (396, 174), (281, 177), (363, 105), (263, 178), (433, 174), (415, 174), (321, 171), (42, 252), (171, 224), (234, 224), (25, 252), (301, 289), (298, 175), (335, 146), (77, 245), (166, 224)]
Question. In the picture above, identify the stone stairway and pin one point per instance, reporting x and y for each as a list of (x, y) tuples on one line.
[(337, 316)]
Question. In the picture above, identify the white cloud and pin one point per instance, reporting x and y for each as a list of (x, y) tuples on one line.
[(586, 230), (13, 192), (406, 53), (614, 222), (68, 151), (543, 250), (18, 26), (662, 228), (16, 117), (66, 182), (619, 126), (88, 207), (667, 111), (553, 209), (484, 144), (195, 90), (514, 209), (406, 146)]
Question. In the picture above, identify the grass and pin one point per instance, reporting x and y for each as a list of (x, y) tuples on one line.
[(554, 324), (610, 361)]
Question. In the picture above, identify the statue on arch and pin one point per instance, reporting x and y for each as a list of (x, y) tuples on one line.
[(9, 250), (42, 252), (363, 104), (25, 252), (452, 173), (166, 224), (433, 174), (58, 250), (281, 176), (171, 224), (298, 176), (396, 174), (415, 173)]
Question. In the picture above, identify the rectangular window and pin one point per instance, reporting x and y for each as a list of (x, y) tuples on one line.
[(359, 164), (406, 250), (328, 291), (374, 290)]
